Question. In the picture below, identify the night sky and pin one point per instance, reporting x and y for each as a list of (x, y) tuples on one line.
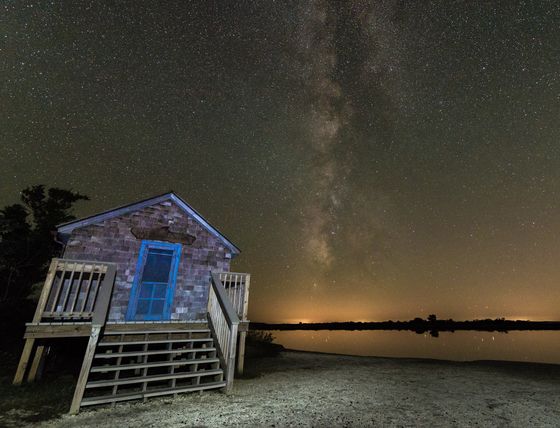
[(373, 160)]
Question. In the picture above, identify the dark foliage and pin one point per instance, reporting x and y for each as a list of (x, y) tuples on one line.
[(260, 344), (27, 238), (259, 337)]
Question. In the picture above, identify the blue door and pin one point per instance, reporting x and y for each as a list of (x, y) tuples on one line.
[(154, 284)]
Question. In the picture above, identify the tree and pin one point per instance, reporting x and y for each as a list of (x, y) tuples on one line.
[(432, 318), (27, 237)]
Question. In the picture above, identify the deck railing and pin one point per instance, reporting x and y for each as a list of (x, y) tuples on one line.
[(237, 289), (76, 290), (225, 323)]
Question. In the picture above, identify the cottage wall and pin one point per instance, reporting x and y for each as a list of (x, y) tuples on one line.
[(112, 241)]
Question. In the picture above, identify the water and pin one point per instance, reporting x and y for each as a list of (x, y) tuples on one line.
[(528, 346)]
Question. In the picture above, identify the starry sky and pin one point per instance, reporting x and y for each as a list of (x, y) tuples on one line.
[(372, 159)]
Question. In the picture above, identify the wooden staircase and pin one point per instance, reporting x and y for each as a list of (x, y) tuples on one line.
[(139, 364), (140, 359)]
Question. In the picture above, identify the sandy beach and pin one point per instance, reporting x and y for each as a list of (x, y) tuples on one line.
[(324, 390)]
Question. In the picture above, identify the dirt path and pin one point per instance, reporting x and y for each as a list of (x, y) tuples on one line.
[(307, 389)]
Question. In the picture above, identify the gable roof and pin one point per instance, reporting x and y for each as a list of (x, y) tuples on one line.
[(66, 228)]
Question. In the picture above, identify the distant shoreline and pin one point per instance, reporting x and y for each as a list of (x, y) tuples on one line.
[(418, 325)]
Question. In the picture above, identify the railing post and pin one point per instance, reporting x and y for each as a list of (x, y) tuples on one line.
[(104, 297), (46, 291), (246, 297)]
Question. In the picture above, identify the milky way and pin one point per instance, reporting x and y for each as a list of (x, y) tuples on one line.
[(327, 116), (321, 56), (373, 160)]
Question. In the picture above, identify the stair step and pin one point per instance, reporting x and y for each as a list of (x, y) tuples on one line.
[(90, 401), (159, 352), (133, 332), (152, 378), (156, 364), (143, 342)]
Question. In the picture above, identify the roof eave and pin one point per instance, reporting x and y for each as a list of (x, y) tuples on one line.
[(68, 227)]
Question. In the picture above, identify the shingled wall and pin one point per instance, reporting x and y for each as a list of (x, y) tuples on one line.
[(112, 241)]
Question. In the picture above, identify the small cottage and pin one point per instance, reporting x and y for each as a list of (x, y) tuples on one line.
[(150, 284)]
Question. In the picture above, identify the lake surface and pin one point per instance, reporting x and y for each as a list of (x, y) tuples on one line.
[(528, 346)]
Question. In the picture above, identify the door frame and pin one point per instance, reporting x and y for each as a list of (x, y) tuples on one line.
[(135, 290)]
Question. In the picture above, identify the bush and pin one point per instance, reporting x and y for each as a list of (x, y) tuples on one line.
[(259, 344), (259, 337)]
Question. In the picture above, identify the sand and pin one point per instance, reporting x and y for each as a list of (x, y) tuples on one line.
[(321, 390)]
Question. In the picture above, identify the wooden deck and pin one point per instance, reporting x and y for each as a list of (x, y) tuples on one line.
[(83, 329)]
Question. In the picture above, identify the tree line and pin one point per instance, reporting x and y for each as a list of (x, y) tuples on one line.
[(28, 238)]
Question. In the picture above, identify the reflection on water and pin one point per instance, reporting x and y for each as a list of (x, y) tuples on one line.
[(534, 346)]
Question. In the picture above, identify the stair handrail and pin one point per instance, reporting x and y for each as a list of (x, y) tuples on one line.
[(226, 335)]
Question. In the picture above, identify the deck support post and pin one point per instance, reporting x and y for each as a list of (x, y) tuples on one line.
[(36, 370), (24, 361), (241, 352), (84, 372), (230, 361)]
